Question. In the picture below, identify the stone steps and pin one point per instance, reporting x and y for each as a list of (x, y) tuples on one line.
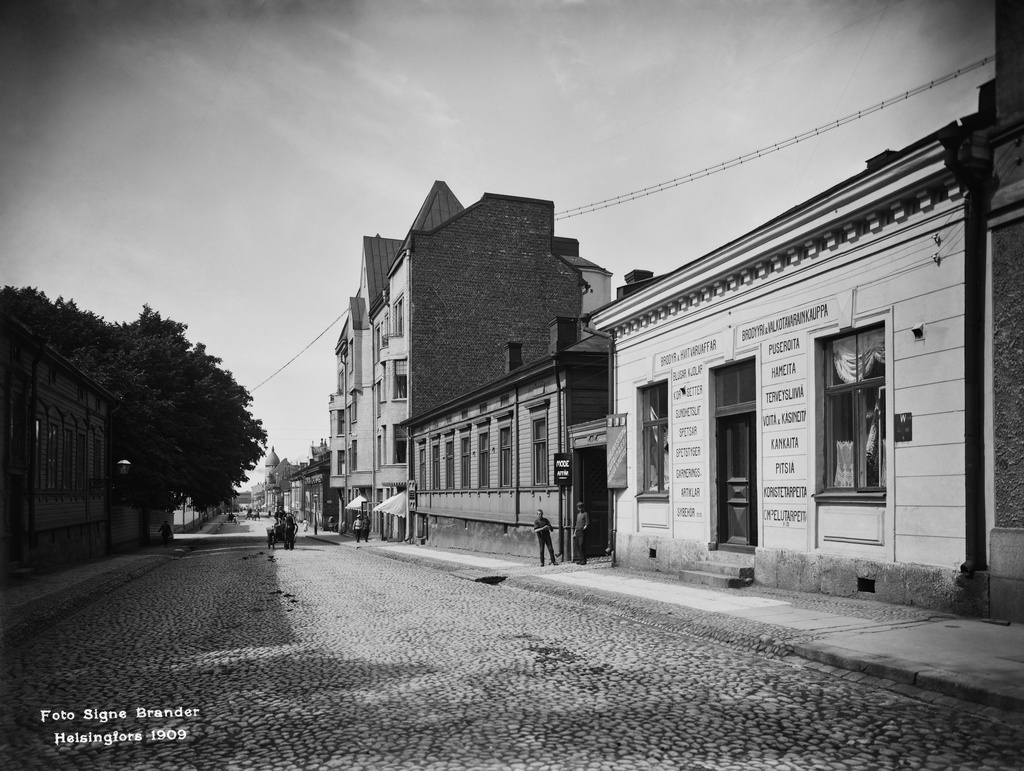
[(726, 570)]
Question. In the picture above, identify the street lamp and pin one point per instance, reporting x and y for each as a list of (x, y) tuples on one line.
[(123, 466)]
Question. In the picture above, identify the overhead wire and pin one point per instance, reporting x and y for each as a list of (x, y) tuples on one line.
[(293, 358), (769, 149)]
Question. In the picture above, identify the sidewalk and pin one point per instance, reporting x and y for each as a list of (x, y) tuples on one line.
[(35, 601), (925, 654)]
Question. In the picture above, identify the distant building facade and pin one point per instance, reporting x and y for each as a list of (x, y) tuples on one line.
[(433, 318), (489, 458)]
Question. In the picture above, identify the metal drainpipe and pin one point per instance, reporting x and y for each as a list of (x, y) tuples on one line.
[(952, 138), (561, 490), (613, 517)]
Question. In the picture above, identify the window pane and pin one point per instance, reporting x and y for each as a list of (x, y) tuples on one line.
[(871, 465), (484, 461), (840, 429), (871, 354)]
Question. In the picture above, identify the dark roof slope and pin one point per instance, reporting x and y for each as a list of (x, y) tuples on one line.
[(438, 207), (357, 310), (378, 254)]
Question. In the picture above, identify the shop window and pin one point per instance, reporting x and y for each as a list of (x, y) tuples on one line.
[(654, 442), (483, 460), (855, 411), (540, 451), (505, 446)]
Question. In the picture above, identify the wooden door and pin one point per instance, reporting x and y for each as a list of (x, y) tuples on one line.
[(737, 467)]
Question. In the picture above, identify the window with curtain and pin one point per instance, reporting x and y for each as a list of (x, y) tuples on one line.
[(505, 445), (465, 443), (654, 442), (483, 460), (401, 440), (540, 451), (401, 379), (449, 464), (51, 457), (855, 411)]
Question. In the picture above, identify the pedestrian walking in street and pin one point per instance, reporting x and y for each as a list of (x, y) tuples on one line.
[(166, 532), (542, 527), (290, 528), (579, 531), (357, 526), (366, 527)]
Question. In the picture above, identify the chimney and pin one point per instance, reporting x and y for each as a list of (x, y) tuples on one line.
[(563, 333), (513, 356), (635, 281), (638, 275)]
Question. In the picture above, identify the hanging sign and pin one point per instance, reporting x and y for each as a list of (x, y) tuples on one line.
[(563, 469)]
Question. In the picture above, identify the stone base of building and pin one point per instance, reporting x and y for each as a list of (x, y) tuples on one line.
[(485, 537), (65, 546), (941, 589), (662, 555), (1007, 574)]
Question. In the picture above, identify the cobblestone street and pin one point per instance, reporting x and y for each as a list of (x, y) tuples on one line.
[(327, 656)]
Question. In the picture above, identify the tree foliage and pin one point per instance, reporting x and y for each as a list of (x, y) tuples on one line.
[(183, 421)]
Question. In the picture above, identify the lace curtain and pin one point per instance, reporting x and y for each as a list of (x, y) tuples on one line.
[(855, 358)]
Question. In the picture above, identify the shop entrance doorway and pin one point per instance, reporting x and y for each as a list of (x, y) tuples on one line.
[(593, 494), (735, 413)]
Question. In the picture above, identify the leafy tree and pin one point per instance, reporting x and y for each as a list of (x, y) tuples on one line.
[(183, 421)]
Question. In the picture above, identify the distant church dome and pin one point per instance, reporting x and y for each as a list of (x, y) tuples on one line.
[(272, 460)]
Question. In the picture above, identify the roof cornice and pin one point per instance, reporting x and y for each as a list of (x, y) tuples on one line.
[(864, 203)]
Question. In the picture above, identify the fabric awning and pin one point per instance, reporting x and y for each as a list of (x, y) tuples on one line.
[(396, 504), (356, 503)]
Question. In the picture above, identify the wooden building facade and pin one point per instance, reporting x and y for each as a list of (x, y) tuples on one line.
[(55, 456)]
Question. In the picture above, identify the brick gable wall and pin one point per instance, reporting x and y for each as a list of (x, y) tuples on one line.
[(482, 280)]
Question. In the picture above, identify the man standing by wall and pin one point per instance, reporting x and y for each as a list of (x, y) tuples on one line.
[(579, 532)]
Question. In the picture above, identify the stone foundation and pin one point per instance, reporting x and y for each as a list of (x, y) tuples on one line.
[(1007, 574), (486, 537), (67, 545), (941, 589), (669, 555)]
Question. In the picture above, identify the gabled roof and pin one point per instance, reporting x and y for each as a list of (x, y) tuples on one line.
[(378, 254), (438, 207)]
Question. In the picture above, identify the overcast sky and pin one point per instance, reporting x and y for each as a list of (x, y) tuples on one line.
[(221, 161)]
